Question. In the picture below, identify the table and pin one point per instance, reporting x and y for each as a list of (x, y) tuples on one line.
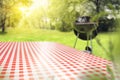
[(48, 61)]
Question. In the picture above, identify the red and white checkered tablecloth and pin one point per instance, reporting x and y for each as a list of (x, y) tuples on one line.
[(48, 61)]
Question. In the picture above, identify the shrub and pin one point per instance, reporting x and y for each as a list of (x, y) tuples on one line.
[(106, 24)]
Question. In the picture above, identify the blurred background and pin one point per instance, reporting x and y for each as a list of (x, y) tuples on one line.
[(53, 20)]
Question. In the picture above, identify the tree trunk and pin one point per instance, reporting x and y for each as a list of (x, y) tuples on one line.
[(3, 29), (97, 6), (3, 24)]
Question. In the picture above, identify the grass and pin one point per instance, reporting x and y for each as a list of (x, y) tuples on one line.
[(66, 38)]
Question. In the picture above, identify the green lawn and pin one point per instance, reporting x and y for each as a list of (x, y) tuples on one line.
[(66, 38)]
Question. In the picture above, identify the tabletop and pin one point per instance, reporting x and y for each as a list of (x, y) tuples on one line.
[(48, 61)]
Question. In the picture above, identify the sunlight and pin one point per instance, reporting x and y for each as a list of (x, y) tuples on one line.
[(35, 5), (28, 12), (39, 4), (25, 11)]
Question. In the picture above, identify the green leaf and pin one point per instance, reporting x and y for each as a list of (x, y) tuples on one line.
[(110, 71)]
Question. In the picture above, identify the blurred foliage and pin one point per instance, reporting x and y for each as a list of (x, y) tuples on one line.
[(106, 24), (63, 16), (110, 71), (113, 53), (9, 12), (56, 14), (102, 5), (105, 12)]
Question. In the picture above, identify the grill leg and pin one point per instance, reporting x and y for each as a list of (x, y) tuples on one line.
[(87, 40), (88, 48), (91, 46), (76, 40)]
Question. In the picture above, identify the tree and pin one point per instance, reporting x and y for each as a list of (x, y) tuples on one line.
[(105, 11), (58, 14), (102, 4), (64, 12), (8, 12)]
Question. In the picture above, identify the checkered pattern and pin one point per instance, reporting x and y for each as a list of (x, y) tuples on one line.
[(48, 61)]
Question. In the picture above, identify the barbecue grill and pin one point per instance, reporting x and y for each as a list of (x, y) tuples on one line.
[(85, 30)]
